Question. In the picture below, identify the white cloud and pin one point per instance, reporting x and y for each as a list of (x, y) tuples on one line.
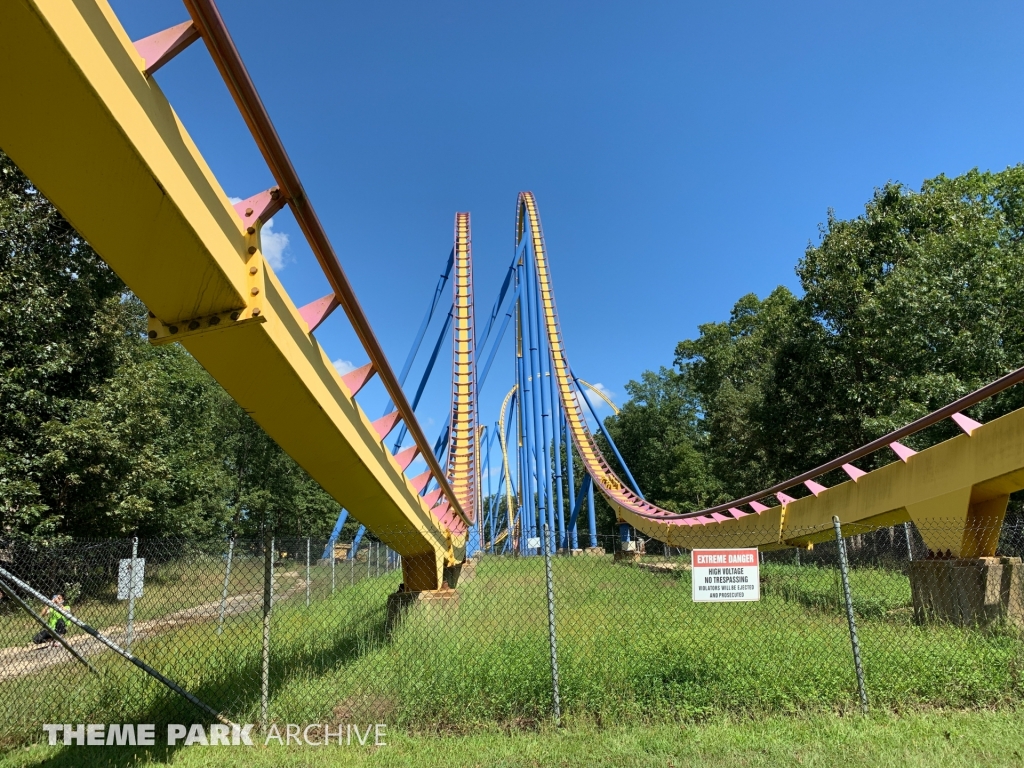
[(344, 366), (274, 246), (597, 401), (274, 243)]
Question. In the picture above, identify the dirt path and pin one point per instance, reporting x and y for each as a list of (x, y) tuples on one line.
[(25, 660)]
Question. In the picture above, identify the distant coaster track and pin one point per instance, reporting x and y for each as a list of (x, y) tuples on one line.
[(956, 492)]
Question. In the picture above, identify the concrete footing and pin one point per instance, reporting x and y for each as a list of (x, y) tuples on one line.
[(464, 572), (439, 602), (627, 556), (968, 592), (595, 551)]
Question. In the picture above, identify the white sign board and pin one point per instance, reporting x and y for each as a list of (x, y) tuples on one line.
[(725, 575), (533, 543), (129, 579)]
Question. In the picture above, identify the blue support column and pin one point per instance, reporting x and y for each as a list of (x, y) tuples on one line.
[(423, 326), (497, 342), (624, 532), (591, 517), (355, 542), (489, 525), (526, 479), (536, 428), (475, 538), (585, 487), (556, 444), (544, 385), (426, 375), (329, 549), (608, 437), (571, 484)]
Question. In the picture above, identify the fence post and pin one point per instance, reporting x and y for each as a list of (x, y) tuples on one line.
[(130, 629), (307, 572), (333, 561), (910, 546), (268, 600), (844, 571), (552, 640), (227, 579)]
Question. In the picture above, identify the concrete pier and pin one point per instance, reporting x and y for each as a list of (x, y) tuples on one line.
[(968, 592), (442, 603)]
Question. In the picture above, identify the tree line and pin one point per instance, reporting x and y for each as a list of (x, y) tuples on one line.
[(903, 309), (104, 435)]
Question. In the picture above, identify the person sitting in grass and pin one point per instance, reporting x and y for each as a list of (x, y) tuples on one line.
[(55, 623)]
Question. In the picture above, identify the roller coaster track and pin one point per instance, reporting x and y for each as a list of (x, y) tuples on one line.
[(463, 458), (86, 122), (84, 119), (955, 492)]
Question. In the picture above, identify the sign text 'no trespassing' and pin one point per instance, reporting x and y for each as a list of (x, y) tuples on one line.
[(725, 575)]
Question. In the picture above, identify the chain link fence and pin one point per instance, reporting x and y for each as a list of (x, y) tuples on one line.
[(291, 631)]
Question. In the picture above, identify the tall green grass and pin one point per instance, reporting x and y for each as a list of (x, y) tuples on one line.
[(632, 646)]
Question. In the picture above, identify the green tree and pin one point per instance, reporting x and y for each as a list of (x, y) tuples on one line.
[(661, 437), (102, 434), (904, 308)]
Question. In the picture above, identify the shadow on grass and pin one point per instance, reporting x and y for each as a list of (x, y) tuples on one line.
[(364, 634)]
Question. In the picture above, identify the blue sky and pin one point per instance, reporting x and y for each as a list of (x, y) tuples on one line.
[(682, 154)]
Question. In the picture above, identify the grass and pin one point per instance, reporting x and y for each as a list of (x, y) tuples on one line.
[(950, 739), (632, 648), (169, 587)]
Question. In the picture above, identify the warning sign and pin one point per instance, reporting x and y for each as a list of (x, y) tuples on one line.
[(725, 575)]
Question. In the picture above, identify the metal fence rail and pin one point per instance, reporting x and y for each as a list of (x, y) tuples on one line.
[(268, 632)]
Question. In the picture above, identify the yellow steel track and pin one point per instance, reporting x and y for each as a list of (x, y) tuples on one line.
[(955, 492), (100, 140), (462, 452)]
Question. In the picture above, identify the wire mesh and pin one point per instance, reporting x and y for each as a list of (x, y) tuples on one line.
[(347, 644)]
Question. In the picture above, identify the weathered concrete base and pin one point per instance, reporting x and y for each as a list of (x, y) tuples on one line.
[(627, 556), (438, 602), (463, 573), (596, 551), (968, 592), (575, 552), (664, 567)]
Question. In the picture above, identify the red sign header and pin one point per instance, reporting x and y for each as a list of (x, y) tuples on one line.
[(719, 558)]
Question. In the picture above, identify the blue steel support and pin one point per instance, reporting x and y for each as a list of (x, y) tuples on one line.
[(556, 446), (495, 310), (537, 433), (474, 539), (591, 517), (423, 326), (426, 374), (497, 342), (355, 542), (623, 531), (329, 549), (527, 412), (514, 410), (508, 539), (544, 383), (625, 468), (571, 484), (493, 502), (485, 469), (584, 490)]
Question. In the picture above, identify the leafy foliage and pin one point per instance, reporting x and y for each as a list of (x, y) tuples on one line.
[(102, 434), (905, 308)]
